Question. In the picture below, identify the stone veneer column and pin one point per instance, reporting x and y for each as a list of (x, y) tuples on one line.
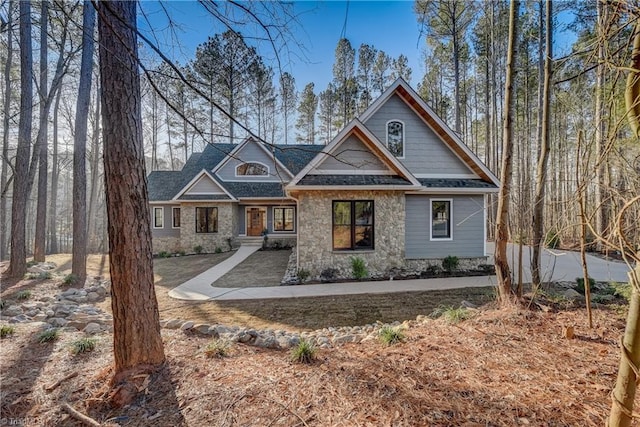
[(315, 243)]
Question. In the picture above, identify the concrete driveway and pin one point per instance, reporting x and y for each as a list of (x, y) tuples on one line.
[(559, 265)]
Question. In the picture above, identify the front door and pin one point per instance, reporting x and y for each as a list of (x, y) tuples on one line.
[(255, 221)]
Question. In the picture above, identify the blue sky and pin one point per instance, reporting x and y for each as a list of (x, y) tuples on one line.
[(387, 25)]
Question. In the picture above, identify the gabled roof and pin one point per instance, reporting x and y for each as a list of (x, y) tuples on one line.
[(360, 131), (448, 136), (221, 192), (235, 154)]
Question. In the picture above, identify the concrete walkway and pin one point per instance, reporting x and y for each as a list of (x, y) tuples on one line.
[(556, 265), (199, 288)]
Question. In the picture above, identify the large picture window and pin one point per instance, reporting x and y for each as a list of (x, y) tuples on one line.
[(252, 169), (158, 217), (283, 219), (395, 138), (175, 213), (353, 225), (206, 220), (441, 219)]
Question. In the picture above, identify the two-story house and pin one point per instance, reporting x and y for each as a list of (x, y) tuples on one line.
[(396, 187)]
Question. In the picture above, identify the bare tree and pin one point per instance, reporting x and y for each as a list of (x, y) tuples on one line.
[(79, 256), (502, 227), (136, 329), (18, 263), (6, 113)]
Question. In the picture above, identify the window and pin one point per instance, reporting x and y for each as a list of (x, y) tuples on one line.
[(441, 219), (283, 219), (158, 217), (206, 220), (395, 138), (175, 213), (252, 168), (353, 225)]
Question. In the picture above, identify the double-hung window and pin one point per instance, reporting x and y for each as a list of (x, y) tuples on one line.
[(283, 219), (441, 219), (175, 214), (353, 225), (158, 217), (207, 220)]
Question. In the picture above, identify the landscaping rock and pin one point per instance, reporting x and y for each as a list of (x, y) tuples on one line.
[(93, 297), (57, 322), (173, 324), (202, 328), (266, 342), (186, 326), (572, 294), (12, 310), (92, 328)]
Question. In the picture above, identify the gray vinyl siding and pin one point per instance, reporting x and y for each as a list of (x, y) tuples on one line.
[(242, 220), (166, 230), (352, 156), (467, 228), (252, 153), (205, 185), (424, 151)]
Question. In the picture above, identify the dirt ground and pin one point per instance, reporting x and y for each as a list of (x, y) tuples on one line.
[(252, 272), (500, 368)]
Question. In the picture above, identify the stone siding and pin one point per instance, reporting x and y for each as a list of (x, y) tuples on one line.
[(315, 241), (166, 244), (209, 241)]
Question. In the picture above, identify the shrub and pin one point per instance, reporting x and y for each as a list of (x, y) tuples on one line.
[(217, 348), (70, 279), (83, 345), (358, 269), (622, 290), (48, 335), (164, 254), (552, 239), (45, 275), (218, 250), (6, 330), (390, 336), (304, 352), (24, 295), (303, 274), (452, 315), (450, 263), (3, 304), (31, 263), (181, 252), (328, 274), (580, 284), (198, 249)]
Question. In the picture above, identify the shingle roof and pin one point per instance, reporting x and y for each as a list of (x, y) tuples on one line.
[(255, 189), (163, 185), (455, 183), (296, 157), (353, 180)]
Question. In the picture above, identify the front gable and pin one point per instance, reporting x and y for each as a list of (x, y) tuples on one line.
[(355, 157), (203, 186), (432, 149), (251, 161)]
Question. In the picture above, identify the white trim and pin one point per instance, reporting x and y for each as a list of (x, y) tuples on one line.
[(234, 155), (448, 190), (382, 99), (246, 219), (173, 217), (164, 202), (248, 163), (352, 172), (273, 220), (450, 219), (154, 217), (195, 179), (386, 129), (447, 175), (370, 138), (273, 180)]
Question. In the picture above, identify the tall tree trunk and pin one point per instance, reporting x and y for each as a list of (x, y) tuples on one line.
[(599, 122), (502, 229), (55, 173), (79, 254), (4, 175), (43, 133), (136, 327), (625, 391), (18, 263), (94, 164), (541, 172)]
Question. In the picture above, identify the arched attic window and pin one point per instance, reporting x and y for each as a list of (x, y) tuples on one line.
[(395, 137), (252, 169)]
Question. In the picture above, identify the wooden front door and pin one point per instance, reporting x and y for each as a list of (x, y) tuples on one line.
[(255, 221)]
